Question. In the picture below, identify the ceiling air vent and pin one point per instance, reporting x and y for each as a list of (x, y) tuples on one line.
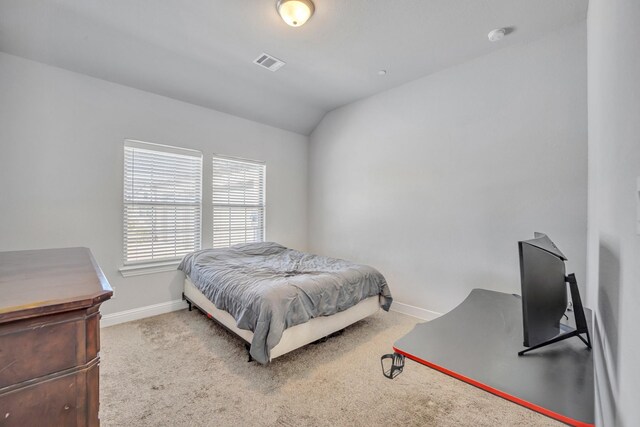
[(269, 62)]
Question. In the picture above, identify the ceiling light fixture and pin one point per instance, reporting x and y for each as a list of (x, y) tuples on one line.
[(295, 12)]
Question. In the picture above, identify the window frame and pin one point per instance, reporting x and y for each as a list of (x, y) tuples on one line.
[(263, 192), (137, 267)]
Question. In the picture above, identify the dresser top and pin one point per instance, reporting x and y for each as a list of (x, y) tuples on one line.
[(38, 282)]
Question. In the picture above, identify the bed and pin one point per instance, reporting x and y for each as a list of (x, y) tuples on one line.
[(278, 299)]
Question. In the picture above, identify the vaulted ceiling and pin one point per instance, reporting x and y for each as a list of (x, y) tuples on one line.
[(201, 51)]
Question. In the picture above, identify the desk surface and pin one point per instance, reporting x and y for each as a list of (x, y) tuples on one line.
[(478, 342)]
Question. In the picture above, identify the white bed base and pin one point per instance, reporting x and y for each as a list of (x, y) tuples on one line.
[(296, 336)]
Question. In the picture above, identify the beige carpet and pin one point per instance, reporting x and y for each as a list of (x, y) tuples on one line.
[(183, 369)]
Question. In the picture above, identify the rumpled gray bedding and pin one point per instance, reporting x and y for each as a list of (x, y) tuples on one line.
[(268, 288)]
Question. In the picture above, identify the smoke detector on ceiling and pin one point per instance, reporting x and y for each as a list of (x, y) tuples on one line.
[(497, 34), (269, 62)]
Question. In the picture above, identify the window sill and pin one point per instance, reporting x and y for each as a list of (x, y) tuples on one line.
[(150, 268)]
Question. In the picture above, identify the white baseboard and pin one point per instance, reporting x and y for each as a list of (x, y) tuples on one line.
[(141, 313), (417, 312)]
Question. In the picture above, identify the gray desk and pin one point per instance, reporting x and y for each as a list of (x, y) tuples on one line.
[(478, 342)]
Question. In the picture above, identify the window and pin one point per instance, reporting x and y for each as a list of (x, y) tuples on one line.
[(238, 201), (162, 202)]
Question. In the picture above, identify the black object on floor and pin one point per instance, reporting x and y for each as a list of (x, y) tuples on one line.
[(478, 342), (392, 365)]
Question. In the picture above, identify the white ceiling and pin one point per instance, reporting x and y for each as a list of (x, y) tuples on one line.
[(201, 51)]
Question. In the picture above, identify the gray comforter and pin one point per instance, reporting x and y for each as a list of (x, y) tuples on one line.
[(268, 288)]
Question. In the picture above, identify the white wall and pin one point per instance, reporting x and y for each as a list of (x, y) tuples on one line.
[(614, 242), (61, 166), (435, 182)]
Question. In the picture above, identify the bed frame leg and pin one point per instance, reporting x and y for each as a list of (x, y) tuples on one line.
[(188, 302), (248, 348), (325, 339)]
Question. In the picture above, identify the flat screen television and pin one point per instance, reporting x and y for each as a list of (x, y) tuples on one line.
[(544, 295)]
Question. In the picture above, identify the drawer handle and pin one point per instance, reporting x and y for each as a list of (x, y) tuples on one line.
[(66, 407)]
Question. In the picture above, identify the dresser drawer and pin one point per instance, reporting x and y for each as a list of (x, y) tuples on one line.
[(37, 347), (56, 402)]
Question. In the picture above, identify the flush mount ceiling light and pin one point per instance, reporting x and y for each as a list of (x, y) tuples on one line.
[(295, 12)]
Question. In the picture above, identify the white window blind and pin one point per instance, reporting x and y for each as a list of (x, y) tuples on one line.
[(238, 201), (162, 202)]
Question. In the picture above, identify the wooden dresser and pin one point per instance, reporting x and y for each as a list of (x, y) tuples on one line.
[(50, 337)]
